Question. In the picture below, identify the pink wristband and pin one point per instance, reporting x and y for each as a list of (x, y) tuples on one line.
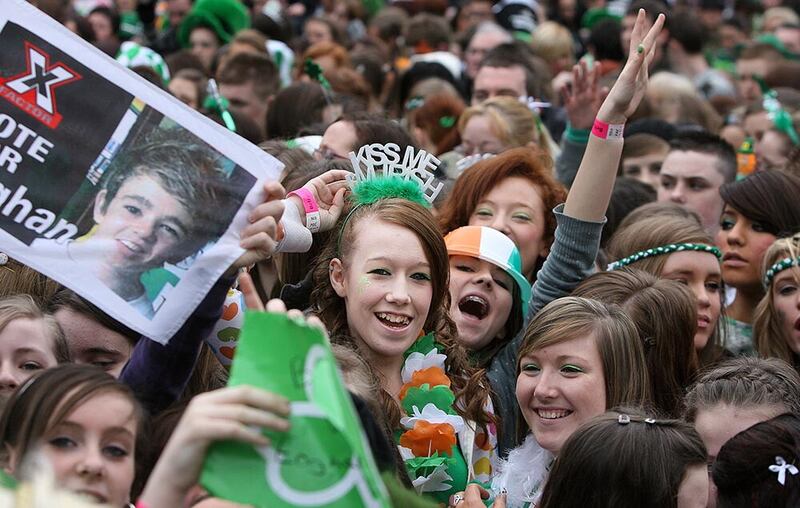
[(310, 206), (141, 504), (607, 131)]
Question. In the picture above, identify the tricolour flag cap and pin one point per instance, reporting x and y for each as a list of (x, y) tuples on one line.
[(492, 246)]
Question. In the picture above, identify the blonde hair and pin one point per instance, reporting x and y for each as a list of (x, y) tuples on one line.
[(512, 122), (674, 98), (552, 41), (769, 335), (618, 344), (24, 307), (780, 15)]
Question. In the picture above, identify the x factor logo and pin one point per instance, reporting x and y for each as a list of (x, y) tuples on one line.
[(33, 91)]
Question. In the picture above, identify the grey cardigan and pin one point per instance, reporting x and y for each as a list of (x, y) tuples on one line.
[(570, 261)]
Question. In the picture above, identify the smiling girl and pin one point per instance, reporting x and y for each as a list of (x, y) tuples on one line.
[(580, 359), (514, 193), (758, 210), (381, 283)]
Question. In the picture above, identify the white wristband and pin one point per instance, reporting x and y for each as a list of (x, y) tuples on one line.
[(313, 221)]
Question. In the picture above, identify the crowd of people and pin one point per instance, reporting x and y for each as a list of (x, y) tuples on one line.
[(604, 287)]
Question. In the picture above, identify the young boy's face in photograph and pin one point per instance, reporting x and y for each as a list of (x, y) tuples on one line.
[(143, 224)]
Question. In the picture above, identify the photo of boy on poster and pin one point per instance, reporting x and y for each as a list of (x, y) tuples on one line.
[(151, 208)]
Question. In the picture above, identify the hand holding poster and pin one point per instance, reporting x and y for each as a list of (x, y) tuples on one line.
[(323, 460), (111, 186)]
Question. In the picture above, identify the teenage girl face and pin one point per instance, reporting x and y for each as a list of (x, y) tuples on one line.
[(515, 208), (481, 300), (785, 293), (92, 450), (479, 137), (25, 349), (743, 244), (560, 387), (699, 271), (386, 284)]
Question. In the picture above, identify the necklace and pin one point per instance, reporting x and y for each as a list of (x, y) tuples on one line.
[(428, 442)]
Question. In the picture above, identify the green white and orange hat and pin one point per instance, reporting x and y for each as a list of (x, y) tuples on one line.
[(494, 247)]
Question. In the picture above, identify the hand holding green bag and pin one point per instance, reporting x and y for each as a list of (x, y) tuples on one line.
[(323, 459)]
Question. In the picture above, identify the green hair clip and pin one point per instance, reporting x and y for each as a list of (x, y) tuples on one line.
[(447, 121), (314, 71)]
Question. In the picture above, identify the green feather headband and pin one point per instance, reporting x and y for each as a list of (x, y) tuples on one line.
[(367, 192), (370, 191), (778, 267), (660, 251)]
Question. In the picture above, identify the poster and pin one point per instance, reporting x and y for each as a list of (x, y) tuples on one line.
[(111, 186), (324, 459)]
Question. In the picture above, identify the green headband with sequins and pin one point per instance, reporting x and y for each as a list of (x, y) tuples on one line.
[(778, 267), (664, 249)]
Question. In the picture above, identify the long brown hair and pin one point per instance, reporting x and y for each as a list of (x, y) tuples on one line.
[(665, 318), (769, 334), (469, 384), (479, 179), (656, 231)]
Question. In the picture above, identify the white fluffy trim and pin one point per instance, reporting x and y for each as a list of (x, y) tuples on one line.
[(523, 474)]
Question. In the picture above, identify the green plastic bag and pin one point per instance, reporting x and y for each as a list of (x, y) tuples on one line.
[(324, 459)]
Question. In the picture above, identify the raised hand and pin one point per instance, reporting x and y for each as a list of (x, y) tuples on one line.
[(253, 302), (628, 90), (329, 190), (230, 413), (582, 97), (263, 233)]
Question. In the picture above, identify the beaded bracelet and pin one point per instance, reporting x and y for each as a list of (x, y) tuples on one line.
[(664, 249), (778, 267)]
